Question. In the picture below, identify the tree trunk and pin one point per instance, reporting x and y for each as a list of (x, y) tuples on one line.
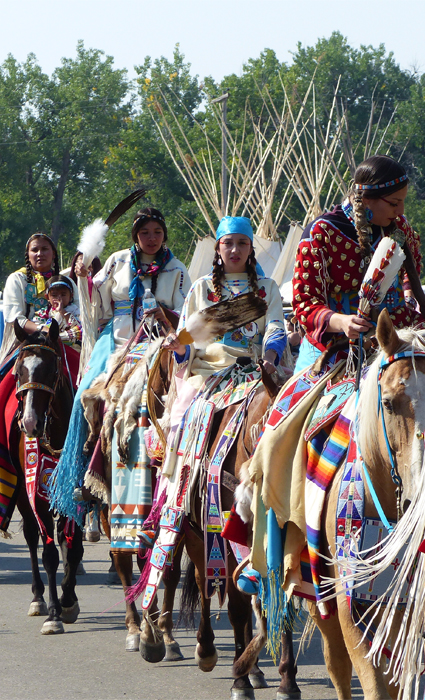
[(58, 199)]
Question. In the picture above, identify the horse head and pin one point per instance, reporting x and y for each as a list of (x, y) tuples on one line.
[(391, 412), (37, 373)]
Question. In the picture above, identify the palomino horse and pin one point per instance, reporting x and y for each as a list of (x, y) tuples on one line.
[(107, 392), (45, 402), (239, 604), (391, 440), (391, 425)]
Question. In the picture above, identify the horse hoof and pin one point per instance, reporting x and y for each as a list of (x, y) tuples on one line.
[(69, 615), (242, 694), (291, 695), (132, 642), (38, 607), (113, 579), (152, 653), (52, 627), (258, 681), (206, 663), (172, 652)]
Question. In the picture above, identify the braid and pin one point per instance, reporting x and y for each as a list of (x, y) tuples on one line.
[(217, 274), (362, 227), (56, 265), (154, 283), (251, 268), (28, 267)]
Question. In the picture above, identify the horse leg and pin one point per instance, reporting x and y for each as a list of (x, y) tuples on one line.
[(165, 622), (372, 679), (50, 558), (38, 604), (205, 653), (256, 675), (71, 555), (240, 617), (124, 566), (336, 655), (288, 689)]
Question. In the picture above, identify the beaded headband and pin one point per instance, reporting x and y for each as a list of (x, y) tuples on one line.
[(41, 235), (391, 183), (149, 216)]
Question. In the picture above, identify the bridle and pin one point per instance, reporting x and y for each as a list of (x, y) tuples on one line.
[(37, 386), (395, 475)]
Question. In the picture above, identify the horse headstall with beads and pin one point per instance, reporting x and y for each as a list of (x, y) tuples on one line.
[(38, 386)]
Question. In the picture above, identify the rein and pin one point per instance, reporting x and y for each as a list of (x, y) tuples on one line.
[(28, 386), (395, 476)]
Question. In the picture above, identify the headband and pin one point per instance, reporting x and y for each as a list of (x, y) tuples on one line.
[(234, 224), (149, 216), (391, 183), (61, 283), (41, 235)]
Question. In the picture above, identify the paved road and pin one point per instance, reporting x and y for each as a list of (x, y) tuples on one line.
[(88, 662)]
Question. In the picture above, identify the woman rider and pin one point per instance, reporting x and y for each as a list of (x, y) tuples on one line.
[(148, 265), (334, 253)]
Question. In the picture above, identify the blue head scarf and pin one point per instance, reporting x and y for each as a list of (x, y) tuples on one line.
[(241, 225), (234, 224)]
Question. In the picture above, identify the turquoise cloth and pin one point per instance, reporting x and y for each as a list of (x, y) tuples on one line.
[(73, 463), (234, 224), (307, 355)]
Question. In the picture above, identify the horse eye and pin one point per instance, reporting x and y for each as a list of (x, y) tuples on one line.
[(387, 405)]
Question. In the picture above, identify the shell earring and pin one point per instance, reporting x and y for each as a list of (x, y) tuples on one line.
[(219, 260), (164, 246)]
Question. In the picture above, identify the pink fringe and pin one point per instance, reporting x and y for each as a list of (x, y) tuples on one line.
[(151, 522)]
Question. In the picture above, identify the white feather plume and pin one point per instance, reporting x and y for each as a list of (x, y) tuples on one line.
[(387, 260), (92, 241)]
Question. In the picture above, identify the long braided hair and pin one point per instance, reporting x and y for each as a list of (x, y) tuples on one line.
[(29, 268), (218, 272), (375, 172)]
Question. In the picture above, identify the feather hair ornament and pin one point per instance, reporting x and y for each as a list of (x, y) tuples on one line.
[(203, 326), (91, 245)]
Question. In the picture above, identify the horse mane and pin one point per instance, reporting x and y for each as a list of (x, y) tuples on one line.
[(367, 409)]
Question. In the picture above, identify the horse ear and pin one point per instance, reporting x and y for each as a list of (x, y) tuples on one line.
[(387, 335), (20, 332), (54, 330)]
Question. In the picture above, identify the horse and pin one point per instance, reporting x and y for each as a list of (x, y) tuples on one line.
[(390, 429), (392, 447), (239, 604), (45, 401), (100, 402)]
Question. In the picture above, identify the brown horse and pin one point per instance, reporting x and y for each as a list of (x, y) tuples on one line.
[(107, 392), (45, 400), (239, 604)]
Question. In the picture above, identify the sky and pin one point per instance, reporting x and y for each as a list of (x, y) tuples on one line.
[(216, 36)]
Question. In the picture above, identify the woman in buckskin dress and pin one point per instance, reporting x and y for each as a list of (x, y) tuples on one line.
[(148, 265)]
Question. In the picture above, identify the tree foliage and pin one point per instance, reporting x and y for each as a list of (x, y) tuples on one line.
[(73, 144)]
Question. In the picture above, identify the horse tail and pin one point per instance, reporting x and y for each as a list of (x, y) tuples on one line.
[(190, 599)]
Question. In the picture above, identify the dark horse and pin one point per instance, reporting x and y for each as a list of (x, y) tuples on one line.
[(45, 402)]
